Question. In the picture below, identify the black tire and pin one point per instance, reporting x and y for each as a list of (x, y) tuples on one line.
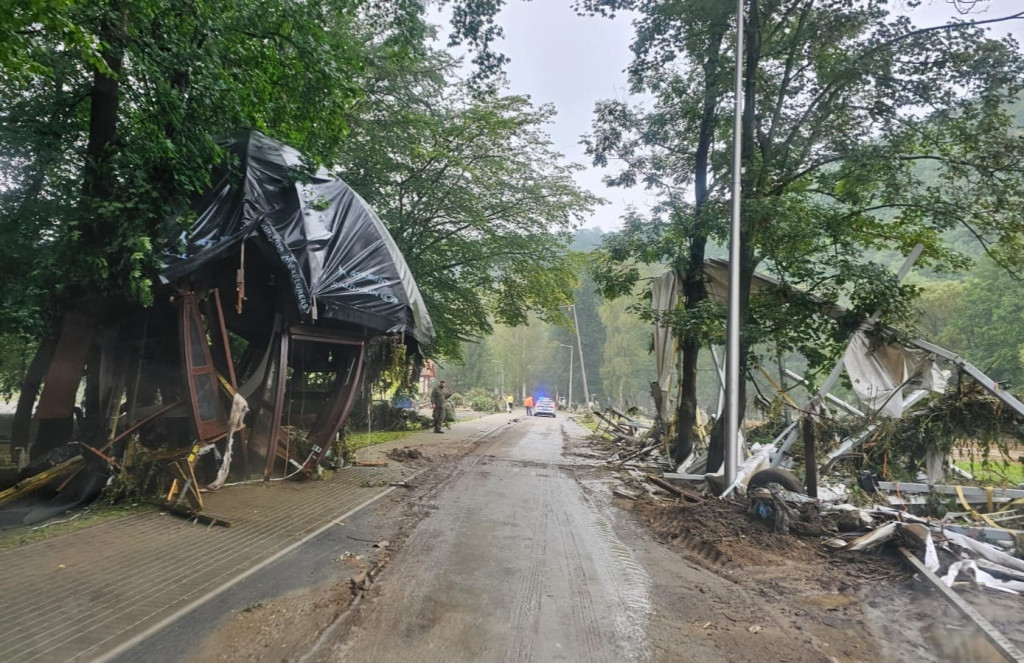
[(784, 478)]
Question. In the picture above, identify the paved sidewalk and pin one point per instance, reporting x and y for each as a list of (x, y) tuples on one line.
[(77, 596)]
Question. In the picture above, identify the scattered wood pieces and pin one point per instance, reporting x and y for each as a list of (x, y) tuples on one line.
[(675, 490), (370, 463), (622, 492)]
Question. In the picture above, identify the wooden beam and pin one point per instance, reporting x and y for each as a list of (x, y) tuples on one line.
[(675, 490), (36, 482)]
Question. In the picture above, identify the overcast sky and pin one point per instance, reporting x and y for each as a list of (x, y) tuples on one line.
[(571, 61)]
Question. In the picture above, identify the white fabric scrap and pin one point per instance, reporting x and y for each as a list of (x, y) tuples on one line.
[(239, 408), (760, 460), (989, 552), (978, 577), (923, 534), (879, 374)]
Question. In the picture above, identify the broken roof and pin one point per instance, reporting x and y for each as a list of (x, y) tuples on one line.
[(339, 258)]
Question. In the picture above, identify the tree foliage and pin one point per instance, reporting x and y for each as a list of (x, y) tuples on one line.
[(844, 103), (981, 318), (474, 195), (110, 111)]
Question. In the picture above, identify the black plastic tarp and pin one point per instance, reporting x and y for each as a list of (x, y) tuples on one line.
[(340, 259)]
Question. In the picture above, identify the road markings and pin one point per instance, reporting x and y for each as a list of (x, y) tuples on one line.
[(170, 619)]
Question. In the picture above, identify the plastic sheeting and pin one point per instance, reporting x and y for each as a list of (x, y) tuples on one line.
[(340, 260), (879, 374)]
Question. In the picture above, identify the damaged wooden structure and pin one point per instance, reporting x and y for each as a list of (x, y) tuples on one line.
[(268, 302)]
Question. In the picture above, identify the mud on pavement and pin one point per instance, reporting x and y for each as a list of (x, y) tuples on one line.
[(285, 627), (723, 586)]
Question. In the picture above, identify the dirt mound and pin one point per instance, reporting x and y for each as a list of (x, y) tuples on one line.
[(722, 534), (406, 454)]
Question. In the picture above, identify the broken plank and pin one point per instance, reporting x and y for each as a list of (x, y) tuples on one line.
[(675, 490), (998, 640), (370, 463), (37, 481), (633, 454), (684, 476), (205, 518), (622, 492)]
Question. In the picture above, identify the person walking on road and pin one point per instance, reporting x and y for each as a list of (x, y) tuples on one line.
[(437, 399), (528, 402), (509, 400)]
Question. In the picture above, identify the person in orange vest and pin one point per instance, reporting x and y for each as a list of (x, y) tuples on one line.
[(528, 402)]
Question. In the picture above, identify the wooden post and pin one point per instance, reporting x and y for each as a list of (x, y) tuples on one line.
[(810, 460)]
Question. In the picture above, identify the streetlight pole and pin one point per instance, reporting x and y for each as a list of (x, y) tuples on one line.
[(570, 373), (732, 357), (579, 344), (501, 367)]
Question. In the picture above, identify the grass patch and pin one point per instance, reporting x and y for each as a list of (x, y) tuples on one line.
[(359, 440), (994, 472), (588, 421), (70, 522)]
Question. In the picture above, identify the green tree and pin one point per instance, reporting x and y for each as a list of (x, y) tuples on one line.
[(474, 195), (986, 322), (841, 103), (628, 366), (120, 143), (939, 303)]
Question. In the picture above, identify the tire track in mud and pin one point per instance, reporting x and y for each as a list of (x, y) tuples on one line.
[(526, 614), (585, 621), (621, 580)]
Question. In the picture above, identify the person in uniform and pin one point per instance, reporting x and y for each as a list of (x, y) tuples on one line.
[(437, 399)]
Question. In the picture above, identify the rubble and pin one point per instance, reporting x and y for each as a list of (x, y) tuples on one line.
[(876, 474)]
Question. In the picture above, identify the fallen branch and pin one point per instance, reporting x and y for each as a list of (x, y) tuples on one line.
[(634, 454)]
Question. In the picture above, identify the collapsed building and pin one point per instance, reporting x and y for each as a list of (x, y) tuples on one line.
[(266, 313), (875, 468)]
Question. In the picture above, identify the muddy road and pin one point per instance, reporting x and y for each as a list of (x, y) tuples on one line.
[(509, 545), (513, 564)]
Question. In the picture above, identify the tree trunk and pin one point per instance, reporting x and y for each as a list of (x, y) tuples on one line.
[(22, 424), (694, 291)]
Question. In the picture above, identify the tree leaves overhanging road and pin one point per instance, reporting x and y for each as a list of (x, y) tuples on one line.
[(111, 110)]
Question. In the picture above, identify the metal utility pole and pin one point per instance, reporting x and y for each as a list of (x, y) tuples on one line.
[(501, 367), (732, 355), (570, 373), (579, 344)]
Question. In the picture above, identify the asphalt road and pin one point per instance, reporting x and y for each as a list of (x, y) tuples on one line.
[(514, 563)]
